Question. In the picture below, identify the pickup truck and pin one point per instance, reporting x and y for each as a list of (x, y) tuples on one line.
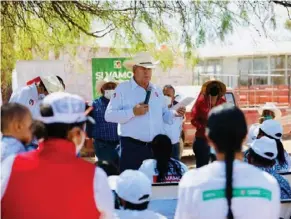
[(251, 113)]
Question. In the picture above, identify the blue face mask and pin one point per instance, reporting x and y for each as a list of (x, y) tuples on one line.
[(268, 117)]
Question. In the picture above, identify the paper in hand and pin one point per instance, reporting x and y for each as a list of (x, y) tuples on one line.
[(185, 102)]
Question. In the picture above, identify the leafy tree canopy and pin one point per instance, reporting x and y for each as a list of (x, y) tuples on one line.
[(36, 27)]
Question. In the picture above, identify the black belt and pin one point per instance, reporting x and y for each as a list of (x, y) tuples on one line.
[(135, 141), (108, 142)]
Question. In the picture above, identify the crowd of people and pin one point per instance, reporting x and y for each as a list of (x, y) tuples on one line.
[(136, 127)]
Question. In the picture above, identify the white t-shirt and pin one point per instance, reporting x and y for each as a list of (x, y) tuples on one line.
[(201, 193), (149, 168), (145, 214)]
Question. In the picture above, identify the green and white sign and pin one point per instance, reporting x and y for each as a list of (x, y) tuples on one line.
[(108, 67)]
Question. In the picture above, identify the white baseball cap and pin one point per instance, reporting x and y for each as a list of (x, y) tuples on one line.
[(253, 133), (132, 186), (272, 128), (265, 145), (67, 108)]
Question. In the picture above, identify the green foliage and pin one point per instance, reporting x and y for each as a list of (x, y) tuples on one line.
[(34, 28)]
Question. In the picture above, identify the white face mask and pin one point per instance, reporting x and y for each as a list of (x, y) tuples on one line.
[(108, 94), (41, 96), (79, 146), (168, 100)]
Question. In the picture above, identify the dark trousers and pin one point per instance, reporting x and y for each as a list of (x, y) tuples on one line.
[(176, 151), (202, 151), (133, 153), (106, 150)]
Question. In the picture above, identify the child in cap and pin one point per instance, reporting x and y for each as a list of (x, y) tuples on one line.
[(16, 123), (134, 192), (227, 188), (274, 130), (262, 154), (65, 185)]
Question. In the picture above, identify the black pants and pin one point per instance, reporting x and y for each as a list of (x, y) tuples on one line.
[(202, 151), (133, 153)]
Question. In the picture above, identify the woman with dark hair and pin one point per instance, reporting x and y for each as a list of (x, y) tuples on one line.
[(274, 130), (227, 188), (262, 154), (163, 168)]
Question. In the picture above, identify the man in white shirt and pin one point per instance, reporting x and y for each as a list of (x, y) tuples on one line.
[(31, 95), (173, 131), (134, 190), (139, 108)]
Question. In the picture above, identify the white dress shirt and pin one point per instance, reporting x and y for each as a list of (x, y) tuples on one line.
[(102, 193), (173, 131), (144, 128), (201, 193), (27, 96)]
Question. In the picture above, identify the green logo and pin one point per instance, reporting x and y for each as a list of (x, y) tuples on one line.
[(248, 192)]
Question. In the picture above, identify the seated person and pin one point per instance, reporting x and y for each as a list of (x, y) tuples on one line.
[(111, 170), (134, 190), (109, 167), (274, 130), (262, 154), (16, 123), (163, 168)]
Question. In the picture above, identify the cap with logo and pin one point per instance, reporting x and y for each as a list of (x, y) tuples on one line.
[(132, 186), (67, 108), (265, 147), (272, 128)]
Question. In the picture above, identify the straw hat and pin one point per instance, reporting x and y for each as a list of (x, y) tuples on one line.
[(271, 107), (143, 59), (221, 85), (106, 80)]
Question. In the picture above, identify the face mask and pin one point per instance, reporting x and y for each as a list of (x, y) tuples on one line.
[(168, 100), (79, 146), (268, 117), (41, 96), (214, 91), (108, 94)]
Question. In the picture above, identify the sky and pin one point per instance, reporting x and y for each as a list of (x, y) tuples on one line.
[(241, 36)]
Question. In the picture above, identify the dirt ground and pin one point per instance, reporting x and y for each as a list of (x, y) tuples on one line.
[(189, 159)]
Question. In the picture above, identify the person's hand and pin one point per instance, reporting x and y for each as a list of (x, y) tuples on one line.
[(181, 111), (140, 109)]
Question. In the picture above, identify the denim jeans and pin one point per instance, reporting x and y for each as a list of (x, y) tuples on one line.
[(133, 154), (106, 151), (202, 151), (176, 151)]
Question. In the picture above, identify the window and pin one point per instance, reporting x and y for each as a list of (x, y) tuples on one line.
[(277, 62), (289, 62), (277, 70), (260, 65)]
